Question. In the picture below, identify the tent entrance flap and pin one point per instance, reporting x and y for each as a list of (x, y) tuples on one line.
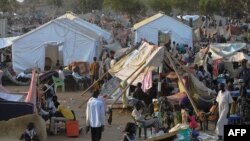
[(51, 55)]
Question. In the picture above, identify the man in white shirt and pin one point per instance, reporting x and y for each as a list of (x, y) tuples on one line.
[(95, 116)]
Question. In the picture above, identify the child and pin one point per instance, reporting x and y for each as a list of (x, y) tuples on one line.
[(184, 114), (30, 133), (130, 131), (192, 120)]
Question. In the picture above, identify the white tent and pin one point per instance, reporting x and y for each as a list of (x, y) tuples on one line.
[(77, 40), (150, 27), (6, 42)]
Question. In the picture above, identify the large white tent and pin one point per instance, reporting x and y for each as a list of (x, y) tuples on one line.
[(149, 29), (69, 36)]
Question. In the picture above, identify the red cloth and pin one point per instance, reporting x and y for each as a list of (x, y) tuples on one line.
[(215, 67), (192, 122), (31, 97)]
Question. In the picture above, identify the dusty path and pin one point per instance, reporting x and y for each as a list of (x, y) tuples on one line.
[(73, 100)]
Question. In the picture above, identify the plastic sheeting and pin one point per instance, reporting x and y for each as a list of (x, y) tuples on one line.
[(6, 42), (149, 28), (237, 57), (10, 97), (188, 17), (147, 55), (221, 50)]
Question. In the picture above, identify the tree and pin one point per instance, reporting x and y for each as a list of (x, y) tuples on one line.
[(88, 5), (161, 5), (57, 3), (8, 5), (131, 7), (209, 6)]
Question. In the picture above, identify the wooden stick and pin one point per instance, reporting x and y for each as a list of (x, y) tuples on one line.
[(176, 61), (125, 53), (180, 79), (116, 87), (139, 72), (94, 83)]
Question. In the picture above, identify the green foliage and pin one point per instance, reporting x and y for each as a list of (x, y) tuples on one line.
[(131, 7), (209, 6), (161, 5), (88, 5), (57, 3), (8, 5)]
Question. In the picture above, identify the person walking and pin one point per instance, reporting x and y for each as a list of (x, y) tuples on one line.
[(224, 100), (95, 117)]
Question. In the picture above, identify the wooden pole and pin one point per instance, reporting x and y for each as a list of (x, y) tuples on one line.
[(180, 79), (137, 74), (94, 83), (126, 53), (118, 86), (176, 61), (159, 80)]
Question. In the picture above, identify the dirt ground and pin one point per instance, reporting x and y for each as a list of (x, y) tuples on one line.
[(73, 100)]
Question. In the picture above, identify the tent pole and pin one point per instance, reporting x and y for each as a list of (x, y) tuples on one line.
[(137, 74), (174, 59), (159, 80), (119, 85), (126, 53), (94, 83), (180, 79)]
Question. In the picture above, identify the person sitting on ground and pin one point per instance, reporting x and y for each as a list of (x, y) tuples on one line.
[(137, 115), (52, 106), (129, 132), (30, 133)]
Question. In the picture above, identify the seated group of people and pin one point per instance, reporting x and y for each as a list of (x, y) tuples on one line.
[(51, 108)]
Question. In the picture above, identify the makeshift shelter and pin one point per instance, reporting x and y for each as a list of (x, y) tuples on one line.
[(13, 104), (238, 57), (133, 68), (149, 29), (67, 39), (221, 52)]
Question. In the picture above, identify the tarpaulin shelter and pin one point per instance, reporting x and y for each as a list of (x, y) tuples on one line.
[(74, 38), (13, 105), (133, 68), (149, 29)]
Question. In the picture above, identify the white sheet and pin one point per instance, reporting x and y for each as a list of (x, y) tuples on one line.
[(10, 97), (5, 42)]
